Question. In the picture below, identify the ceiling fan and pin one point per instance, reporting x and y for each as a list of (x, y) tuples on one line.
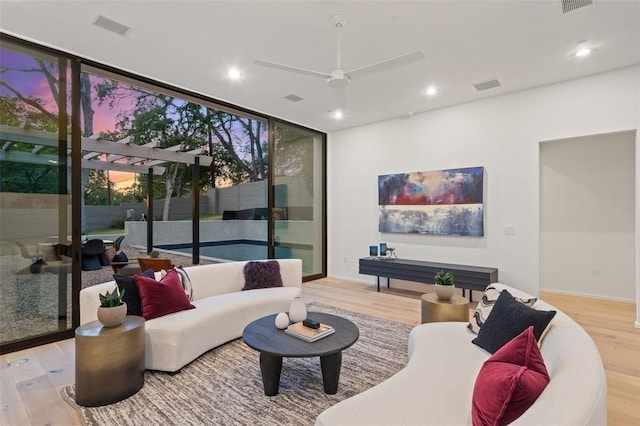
[(338, 78)]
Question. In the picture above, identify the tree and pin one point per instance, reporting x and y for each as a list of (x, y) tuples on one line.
[(40, 111), (21, 177), (237, 144), (99, 190), (293, 154), (87, 130), (169, 121), (241, 138)]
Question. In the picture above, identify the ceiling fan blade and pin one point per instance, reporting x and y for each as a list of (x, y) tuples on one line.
[(288, 68), (418, 55)]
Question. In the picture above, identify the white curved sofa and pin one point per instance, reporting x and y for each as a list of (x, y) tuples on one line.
[(436, 386), (222, 311)]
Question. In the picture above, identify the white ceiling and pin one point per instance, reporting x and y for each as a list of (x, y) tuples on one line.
[(191, 44)]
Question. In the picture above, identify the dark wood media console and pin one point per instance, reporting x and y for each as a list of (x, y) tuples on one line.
[(466, 277)]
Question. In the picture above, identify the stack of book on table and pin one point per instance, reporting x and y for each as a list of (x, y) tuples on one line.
[(309, 334)]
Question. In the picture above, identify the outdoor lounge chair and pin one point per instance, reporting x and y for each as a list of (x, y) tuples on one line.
[(120, 263), (93, 255), (24, 251), (37, 260)]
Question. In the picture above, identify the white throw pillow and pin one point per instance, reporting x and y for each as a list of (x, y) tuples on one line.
[(485, 305)]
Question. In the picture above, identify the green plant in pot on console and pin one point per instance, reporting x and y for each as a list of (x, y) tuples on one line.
[(111, 299), (444, 285), (112, 308), (444, 278)]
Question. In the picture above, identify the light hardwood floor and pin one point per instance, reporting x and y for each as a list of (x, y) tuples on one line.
[(31, 380)]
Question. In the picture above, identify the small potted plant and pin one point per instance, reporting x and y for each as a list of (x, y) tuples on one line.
[(112, 309), (444, 285)]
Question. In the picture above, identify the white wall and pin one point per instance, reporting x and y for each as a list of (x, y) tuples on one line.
[(587, 216), (502, 134), (637, 324)]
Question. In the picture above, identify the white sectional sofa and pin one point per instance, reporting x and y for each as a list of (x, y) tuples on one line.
[(222, 311), (436, 386)]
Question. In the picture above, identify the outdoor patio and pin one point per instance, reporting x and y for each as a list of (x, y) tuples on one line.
[(30, 300)]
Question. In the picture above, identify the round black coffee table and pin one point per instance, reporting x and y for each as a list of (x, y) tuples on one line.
[(273, 345)]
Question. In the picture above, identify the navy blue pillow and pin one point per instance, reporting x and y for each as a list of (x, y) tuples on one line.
[(131, 294), (508, 319)]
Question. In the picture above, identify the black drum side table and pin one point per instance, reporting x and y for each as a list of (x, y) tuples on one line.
[(109, 361)]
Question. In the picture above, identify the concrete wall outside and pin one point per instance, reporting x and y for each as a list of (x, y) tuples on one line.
[(180, 232)]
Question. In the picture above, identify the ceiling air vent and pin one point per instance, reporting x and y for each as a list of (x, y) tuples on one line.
[(487, 85), (571, 5), (293, 98), (110, 25)]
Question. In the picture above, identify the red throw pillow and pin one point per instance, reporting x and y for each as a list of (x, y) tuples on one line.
[(509, 382), (162, 297)]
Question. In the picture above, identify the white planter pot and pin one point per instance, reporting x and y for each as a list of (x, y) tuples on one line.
[(112, 317), (444, 292)]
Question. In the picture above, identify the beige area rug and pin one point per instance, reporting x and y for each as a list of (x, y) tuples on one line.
[(224, 386)]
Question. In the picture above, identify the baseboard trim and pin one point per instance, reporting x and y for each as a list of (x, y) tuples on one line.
[(637, 324), (592, 296), (372, 281)]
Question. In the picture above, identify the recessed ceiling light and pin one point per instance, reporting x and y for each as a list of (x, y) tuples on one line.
[(337, 114), (431, 90), (234, 74), (583, 49)]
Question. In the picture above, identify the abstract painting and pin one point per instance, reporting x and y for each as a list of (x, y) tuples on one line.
[(442, 202)]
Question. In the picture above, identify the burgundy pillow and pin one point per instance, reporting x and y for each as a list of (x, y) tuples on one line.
[(162, 297), (262, 275), (509, 382)]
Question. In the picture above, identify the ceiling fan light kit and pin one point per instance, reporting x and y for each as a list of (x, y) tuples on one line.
[(338, 79), (582, 49)]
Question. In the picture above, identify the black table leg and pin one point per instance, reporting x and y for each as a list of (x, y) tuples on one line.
[(378, 284), (331, 371), (270, 367)]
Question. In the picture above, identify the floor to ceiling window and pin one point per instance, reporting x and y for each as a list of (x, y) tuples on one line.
[(132, 113), (255, 190), (235, 225), (299, 196), (35, 206), (232, 189)]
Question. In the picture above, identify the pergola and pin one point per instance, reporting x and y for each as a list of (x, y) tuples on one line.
[(121, 155), (139, 158)]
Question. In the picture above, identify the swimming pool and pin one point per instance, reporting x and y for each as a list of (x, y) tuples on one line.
[(239, 250), (228, 250)]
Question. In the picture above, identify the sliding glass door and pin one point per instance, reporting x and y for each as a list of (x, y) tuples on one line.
[(35, 206), (299, 197), (257, 189)]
